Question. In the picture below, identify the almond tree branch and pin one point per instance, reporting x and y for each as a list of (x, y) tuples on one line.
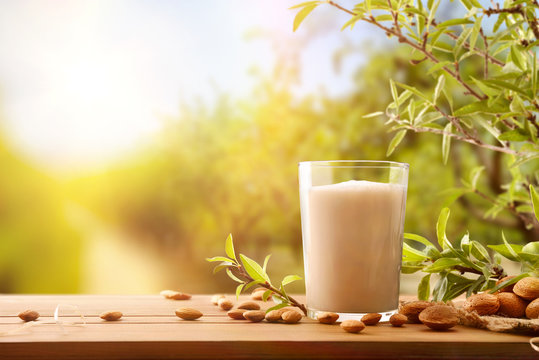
[(477, 142), (268, 286), (403, 39), (518, 9)]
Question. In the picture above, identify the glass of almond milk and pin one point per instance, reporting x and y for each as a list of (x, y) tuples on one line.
[(352, 217)]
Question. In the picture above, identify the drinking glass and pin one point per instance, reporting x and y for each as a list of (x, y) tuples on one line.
[(352, 218)]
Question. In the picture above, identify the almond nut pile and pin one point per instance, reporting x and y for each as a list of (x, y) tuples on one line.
[(516, 301), (251, 310)]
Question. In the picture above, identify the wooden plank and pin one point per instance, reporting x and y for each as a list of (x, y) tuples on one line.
[(150, 329)]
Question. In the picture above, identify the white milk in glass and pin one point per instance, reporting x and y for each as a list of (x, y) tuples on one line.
[(354, 246)]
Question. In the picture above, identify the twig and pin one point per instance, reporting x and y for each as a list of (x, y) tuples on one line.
[(477, 142), (268, 286)]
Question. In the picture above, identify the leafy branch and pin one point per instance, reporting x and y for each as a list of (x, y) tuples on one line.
[(249, 273), (451, 262)]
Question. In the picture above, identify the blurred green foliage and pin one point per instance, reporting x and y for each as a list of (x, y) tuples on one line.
[(39, 248), (228, 167)]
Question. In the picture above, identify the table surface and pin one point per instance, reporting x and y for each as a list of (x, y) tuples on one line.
[(150, 329)]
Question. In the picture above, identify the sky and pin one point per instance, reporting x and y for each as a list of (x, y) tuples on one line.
[(84, 82)]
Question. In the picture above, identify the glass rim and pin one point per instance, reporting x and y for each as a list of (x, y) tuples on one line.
[(355, 164)]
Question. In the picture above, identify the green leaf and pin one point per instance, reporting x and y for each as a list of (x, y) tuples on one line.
[(220, 258), (238, 290), (384, 17), (374, 114), (413, 90), (477, 4), (302, 14), (475, 31), (535, 201), (481, 106), (442, 264), (455, 290), (475, 285), (350, 23), (433, 6), (438, 66), (418, 238), (253, 269), (440, 227), (474, 176), (507, 250), (490, 91), (423, 289), (223, 266), (267, 294), (440, 288), (290, 278), (412, 254), (446, 142), (518, 58), (277, 307), (453, 22), (479, 252), (395, 141), (394, 93), (505, 85), (411, 267), (531, 248), (229, 247), (439, 87), (458, 279), (508, 282), (233, 277), (465, 244), (303, 4), (266, 259), (514, 135)]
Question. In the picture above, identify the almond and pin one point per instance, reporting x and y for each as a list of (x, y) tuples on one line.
[(482, 304), (532, 311), (249, 305), (439, 317), (371, 319), (254, 315), (412, 310), (111, 315), (188, 313), (236, 314), (215, 298), (257, 295), (352, 326), (527, 288), (398, 320), (29, 315), (508, 288), (273, 316), (225, 304), (291, 317), (175, 295), (511, 305), (327, 317)]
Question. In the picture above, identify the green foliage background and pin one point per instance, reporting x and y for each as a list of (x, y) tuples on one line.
[(228, 167)]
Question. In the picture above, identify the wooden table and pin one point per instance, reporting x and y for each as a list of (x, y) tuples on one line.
[(149, 329)]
